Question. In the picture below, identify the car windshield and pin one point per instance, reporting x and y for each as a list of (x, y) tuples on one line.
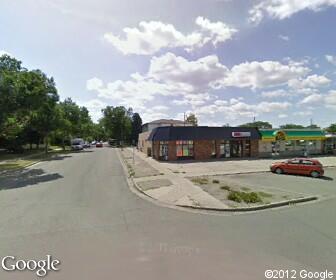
[(209, 116)]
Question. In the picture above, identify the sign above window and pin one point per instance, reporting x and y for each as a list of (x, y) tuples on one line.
[(241, 134)]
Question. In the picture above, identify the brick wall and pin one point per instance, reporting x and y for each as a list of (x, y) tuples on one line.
[(254, 148), (172, 150), (202, 149)]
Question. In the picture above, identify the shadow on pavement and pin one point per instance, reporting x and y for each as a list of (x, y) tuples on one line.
[(24, 178), (326, 178)]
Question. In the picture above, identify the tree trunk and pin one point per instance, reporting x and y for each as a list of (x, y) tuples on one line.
[(63, 143), (46, 143)]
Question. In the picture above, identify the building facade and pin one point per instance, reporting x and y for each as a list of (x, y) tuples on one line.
[(171, 143), (203, 143), (291, 142), (144, 145)]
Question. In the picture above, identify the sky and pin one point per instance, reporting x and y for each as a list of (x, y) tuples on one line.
[(227, 61)]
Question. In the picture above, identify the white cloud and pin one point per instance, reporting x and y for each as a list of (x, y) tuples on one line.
[(94, 84), (312, 99), (189, 83), (331, 59), (303, 113), (197, 75), (283, 37), (192, 99), (312, 81), (263, 74), (275, 93), (240, 109), (330, 99), (282, 116), (219, 31), (281, 9), (152, 36)]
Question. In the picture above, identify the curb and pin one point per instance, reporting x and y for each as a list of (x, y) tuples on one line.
[(255, 208)]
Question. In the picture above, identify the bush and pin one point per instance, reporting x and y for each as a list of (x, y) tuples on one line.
[(200, 181), (251, 197), (234, 196), (227, 188), (215, 181)]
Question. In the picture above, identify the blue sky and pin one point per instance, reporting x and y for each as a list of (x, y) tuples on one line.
[(226, 61)]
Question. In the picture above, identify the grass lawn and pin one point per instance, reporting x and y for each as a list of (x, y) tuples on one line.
[(18, 161)]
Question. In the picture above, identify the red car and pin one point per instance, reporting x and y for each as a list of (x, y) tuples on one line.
[(300, 166), (99, 145)]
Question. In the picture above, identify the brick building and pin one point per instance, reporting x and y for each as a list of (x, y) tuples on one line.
[(144, 145), (202, 142)]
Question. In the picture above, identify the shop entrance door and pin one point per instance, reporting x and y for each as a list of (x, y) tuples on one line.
[(236, 148)]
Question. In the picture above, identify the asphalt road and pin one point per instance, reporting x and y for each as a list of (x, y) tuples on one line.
[(79, 209)]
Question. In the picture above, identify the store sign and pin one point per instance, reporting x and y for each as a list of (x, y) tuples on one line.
[(241, 134)]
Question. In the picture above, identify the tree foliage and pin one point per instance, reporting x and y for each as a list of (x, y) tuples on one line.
[(192, 119), (30, 111), (291, 126), (258, 124), (332, 128)]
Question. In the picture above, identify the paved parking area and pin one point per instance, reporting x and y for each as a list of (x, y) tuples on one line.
[(324, 187), (194, 168)]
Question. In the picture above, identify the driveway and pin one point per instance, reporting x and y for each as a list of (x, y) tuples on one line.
[(79, 210)]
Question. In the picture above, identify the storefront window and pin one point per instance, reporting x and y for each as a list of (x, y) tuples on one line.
[(184, 148), (224, 149)]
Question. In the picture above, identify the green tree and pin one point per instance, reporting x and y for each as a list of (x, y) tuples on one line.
[(331, 128), (136, 127), (117, 122), (291, 126), (258, 124), (192, 119), (313, 126)]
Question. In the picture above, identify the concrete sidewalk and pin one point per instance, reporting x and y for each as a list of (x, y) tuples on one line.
[(176, 189)]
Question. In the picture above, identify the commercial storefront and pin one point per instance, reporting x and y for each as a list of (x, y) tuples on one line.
[(330, 144), (202, 143), (291, 142)]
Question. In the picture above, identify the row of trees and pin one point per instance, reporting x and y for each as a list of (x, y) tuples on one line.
[(31, 112), (121, 124), (267, 125)]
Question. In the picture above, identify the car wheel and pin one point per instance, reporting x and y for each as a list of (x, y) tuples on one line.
[(315, 174), (278, 171)]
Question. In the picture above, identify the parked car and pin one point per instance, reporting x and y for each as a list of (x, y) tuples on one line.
[(300, 166), (87, 145), (99, 145), (93, 143), (77, 144)]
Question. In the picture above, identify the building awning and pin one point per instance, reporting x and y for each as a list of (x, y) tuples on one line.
[(291, 134)]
